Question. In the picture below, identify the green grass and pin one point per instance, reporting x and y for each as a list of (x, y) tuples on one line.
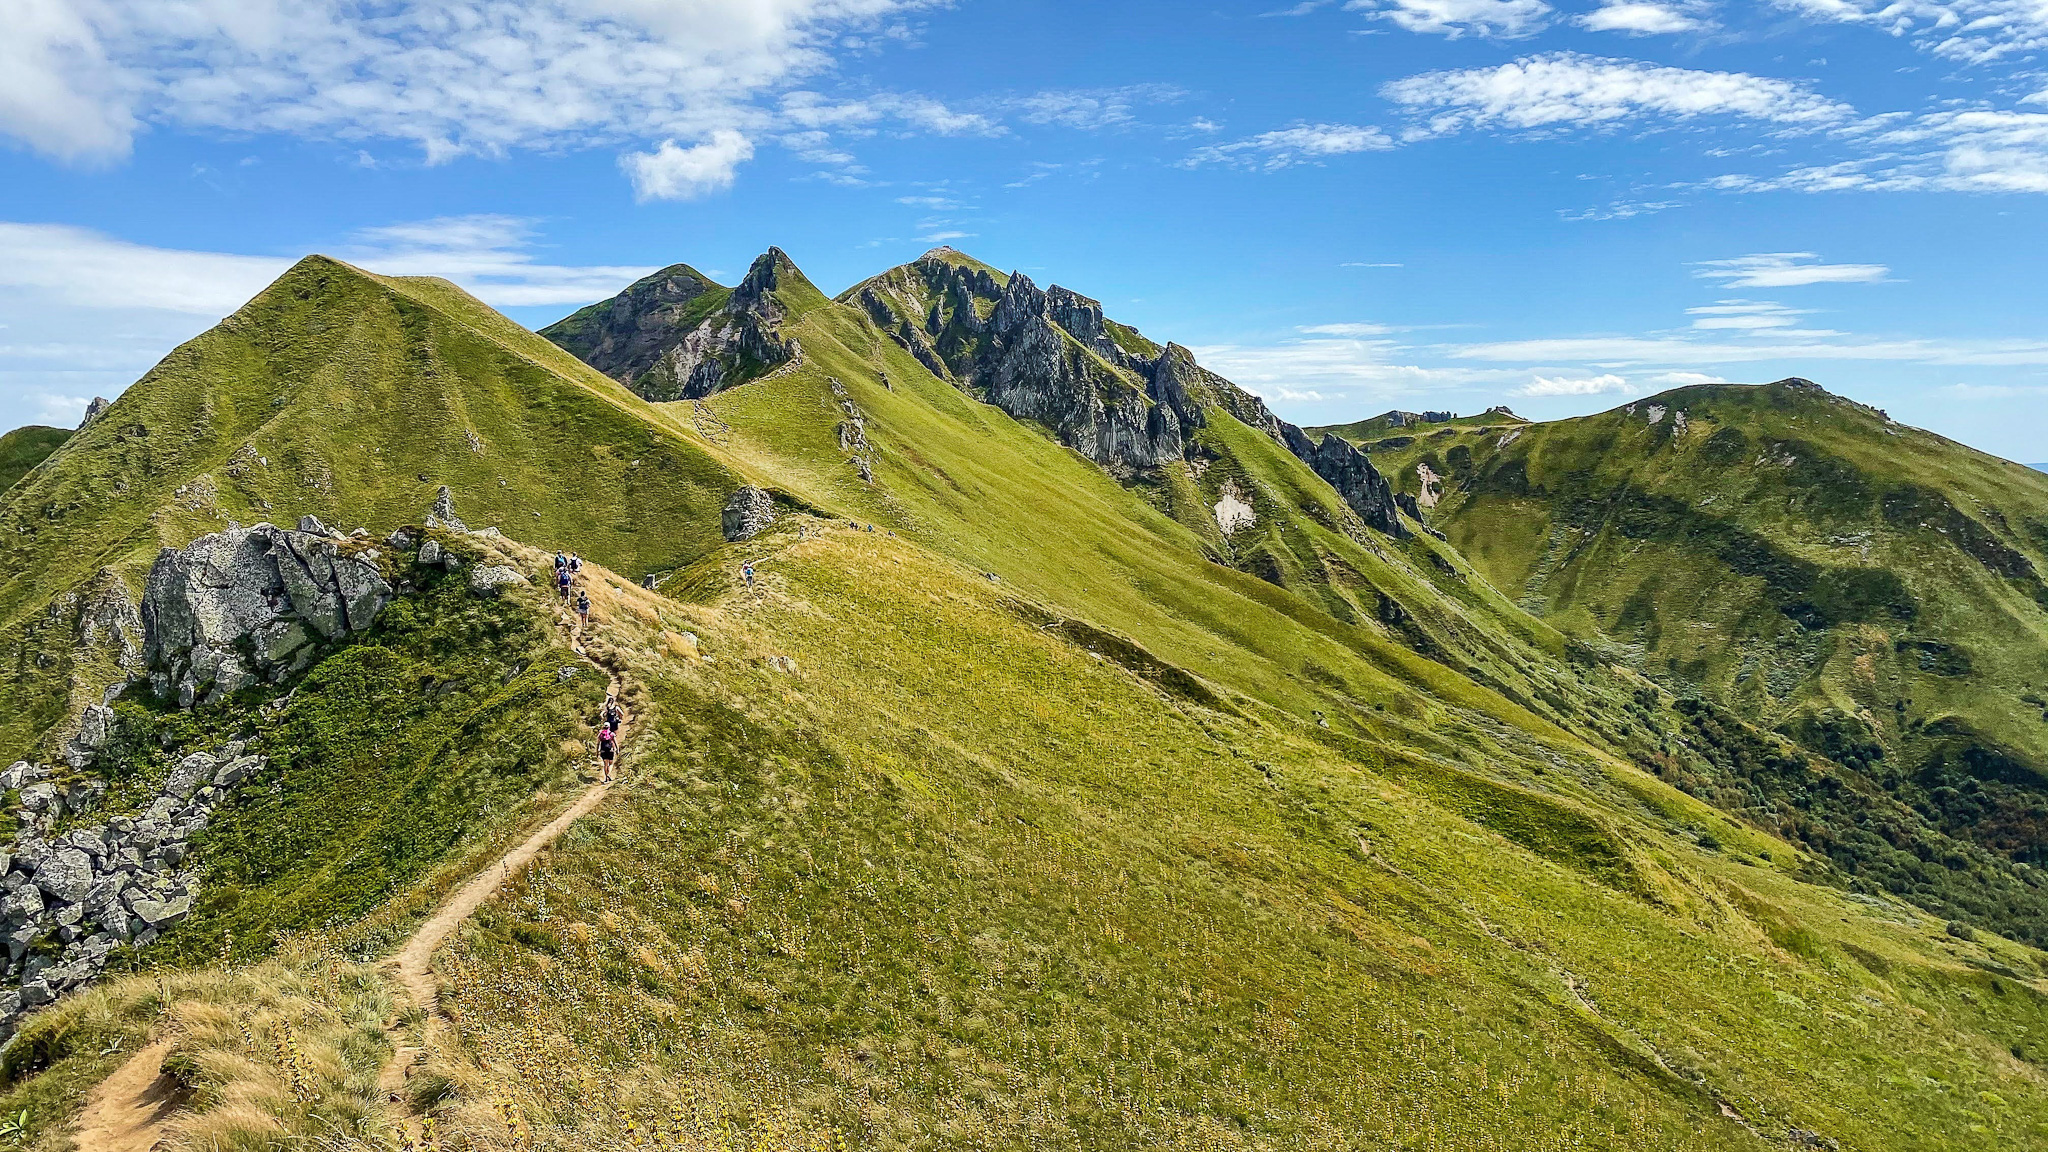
[(1871, 590), (1076, 823), (352, 397), (407, 745), (24, 448), (1088, 912)]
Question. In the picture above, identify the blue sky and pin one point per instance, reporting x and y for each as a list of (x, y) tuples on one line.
[(1559, 205)]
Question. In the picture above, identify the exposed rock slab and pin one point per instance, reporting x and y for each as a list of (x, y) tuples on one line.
[(248, 605)]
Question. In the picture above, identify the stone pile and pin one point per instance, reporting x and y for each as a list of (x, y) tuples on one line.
[(94, 887), (748, 513)]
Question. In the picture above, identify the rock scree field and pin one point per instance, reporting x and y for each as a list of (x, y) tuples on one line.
[(1035, 743)]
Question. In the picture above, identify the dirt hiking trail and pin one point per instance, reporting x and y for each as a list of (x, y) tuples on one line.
[(136, 1108)]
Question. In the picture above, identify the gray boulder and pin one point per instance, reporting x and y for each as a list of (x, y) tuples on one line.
[(270, 589), (19, 773), (190, 774), (442, 514), (488, 579), (38, 796), (66, 875), (109, 624), (431, 554), (162, 913), (748, 513), (237, 770), (94, 729)]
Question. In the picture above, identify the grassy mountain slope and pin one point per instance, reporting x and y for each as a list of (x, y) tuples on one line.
[(353, 397), (1023, 820), (24, 448), (1874, 591)]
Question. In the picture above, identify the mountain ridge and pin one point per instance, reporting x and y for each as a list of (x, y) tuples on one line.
[(984, 796)]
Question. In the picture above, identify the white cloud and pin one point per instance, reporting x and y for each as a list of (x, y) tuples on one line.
[(58, 93), (1683, 379), (488, 256), (1674, 350), (1788, 270), (1953, 150), (942, 237), (673, 173), (1345, 330), (1639, 19), (1620, 210), (1365, 264), (1573, 385), (81, 268), (79, 77), (1455, 18), (1303, 143), (1569, 89), (1991, 391), (1973, 31), (1092, 108), (1744, 316)]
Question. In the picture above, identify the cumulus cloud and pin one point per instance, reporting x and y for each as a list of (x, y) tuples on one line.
[(1573, 385), (1787, 270), (78, 78), (1639, 19), (1567, 89), (1302, 143), (671, 172), (1455, 18)]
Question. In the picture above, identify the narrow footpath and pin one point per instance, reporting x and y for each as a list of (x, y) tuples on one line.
[(136, 1109)]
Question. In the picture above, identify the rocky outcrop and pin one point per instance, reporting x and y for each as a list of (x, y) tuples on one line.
[(853, 433), (1051, 356), (68, 900), (677, 336), (490, 579), (442, 514), (1339, 461), (748, 513), (94, 410), (624, 336), (251, 605)]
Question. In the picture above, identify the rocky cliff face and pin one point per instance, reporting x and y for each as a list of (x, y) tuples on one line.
[(1051, 356), (248, 605), (677, 336)]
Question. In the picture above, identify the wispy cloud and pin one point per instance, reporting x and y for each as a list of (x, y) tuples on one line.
[(1973, 31), (1303, 143), (1566, 89), (1788, 270)]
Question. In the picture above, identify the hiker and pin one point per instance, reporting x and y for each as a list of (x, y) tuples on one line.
[(614, 716), (747, 574), (575, 563), (607, 749), (583, 605), (562, 582), (561, 561)]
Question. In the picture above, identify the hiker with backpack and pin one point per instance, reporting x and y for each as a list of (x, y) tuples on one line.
[(607, 750), (614, 716), (583, 605), (562, 580)]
